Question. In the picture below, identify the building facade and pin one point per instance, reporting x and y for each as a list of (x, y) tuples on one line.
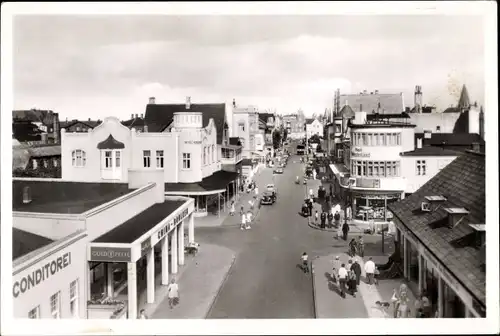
[(246, 128), (314, 127), (295, 125)]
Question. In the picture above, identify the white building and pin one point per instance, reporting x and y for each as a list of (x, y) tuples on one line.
[(314, 127), (246, 127)]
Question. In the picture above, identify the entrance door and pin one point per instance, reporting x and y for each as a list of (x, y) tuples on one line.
[(111, 164)]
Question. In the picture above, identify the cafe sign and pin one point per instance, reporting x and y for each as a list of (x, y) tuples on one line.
[(357, 152), (171, 224), (110, 254)]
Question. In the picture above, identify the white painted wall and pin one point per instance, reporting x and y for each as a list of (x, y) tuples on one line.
[(52, 226), (433, 165)]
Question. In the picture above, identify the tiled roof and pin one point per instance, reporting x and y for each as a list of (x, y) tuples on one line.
[(65, 197), (22, 153), (346, 112), (430, 151), (452, 110), (389, 103), (451, 139), (265, 116), (135, 122), (462, 182), (46, 117), (309, 120), (88, 123), (159, 116), (25, 242)]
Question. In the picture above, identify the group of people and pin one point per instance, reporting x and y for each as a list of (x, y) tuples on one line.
[(357, 247), (348, 276), (326, 216), (247, 215)]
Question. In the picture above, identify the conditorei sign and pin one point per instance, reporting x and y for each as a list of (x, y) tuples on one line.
[(171, 224), (110, 254), (41, 274), (192, 142)]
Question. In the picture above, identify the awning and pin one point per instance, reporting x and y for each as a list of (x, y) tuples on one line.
[(338, 169), (215, 183)]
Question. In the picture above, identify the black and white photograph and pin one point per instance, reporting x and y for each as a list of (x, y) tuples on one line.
[(250, 168)]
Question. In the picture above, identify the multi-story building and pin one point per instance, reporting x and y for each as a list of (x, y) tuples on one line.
[(246, 127), (314, 127), (185, 149), (373, 102), (36, 160), (295, 125), (29, 125)]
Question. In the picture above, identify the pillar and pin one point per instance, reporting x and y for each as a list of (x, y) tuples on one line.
[(150, 279), (440, 303), (180, 237), (191, 229), (405, 257), (110, 286), (164, 261), (132, 290), (174, 250), (420, 273), (89, 281)]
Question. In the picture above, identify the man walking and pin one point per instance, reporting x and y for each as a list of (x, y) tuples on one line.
[(337, 219), (310, 206), (323, 220), (370, 270), (330, 219), (356, 268), (336, 266), (361, 246), (345, 231), (316, 217), (342, 275), (249, 220), (243, 221)]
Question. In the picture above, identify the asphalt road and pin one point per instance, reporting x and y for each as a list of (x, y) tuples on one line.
[(265, 281)]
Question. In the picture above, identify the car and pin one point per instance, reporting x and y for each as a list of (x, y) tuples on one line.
[(278, 171), (268, 198), (271, 188)]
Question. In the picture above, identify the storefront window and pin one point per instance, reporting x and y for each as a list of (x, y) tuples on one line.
[(412, 258), (453, 307)]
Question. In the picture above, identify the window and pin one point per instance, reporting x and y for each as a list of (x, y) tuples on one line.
[(241, 126), (108, 163), (421, 167), (381, 168), (358, 168), (438, 128), (213, 153), (370, 139), (396, 170), (147, 158), (375, 168), (34, 313), (78, 128), (159, 159), (378, 139), (26, 194), (45, 163), (55, 305), (54, 162), (398, 139), (117, 159), (73, 298), (365, 139), (186, 160), (370, 168), (78, 158)]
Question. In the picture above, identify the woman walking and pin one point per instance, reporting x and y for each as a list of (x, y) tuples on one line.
[(232, 211), (173, 294)]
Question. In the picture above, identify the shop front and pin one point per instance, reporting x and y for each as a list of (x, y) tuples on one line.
[(371, 205), (131, 254)]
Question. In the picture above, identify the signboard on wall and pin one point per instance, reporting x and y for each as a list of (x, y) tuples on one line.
[(367, 183), (110, 254), (145, 246), (191, 142), (170, 225)]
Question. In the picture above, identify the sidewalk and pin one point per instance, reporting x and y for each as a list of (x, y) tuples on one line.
[(329, 304), (200, 280)]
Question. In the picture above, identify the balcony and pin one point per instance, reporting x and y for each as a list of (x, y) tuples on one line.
[(230, 154)]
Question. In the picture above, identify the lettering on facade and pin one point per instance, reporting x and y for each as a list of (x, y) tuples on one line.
[(170, 225), (145, 246), (192, 142), (368, 183), (40, 275), (110, 254)]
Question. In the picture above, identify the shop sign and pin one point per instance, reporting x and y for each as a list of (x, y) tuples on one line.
[(192, 142), (145, 246), (110, 254), (171, 224), (368, 183), (358, 152), (41, 274)]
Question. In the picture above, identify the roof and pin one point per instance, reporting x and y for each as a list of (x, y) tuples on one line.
[(429, 121), (464, 101), (88, 123), (431, 151), (110, 143), (65, 197), (265, 116), (134, 122), (21, 154), (216, 181), (46, 117), (135, 227), (374, 116), (43, 151), (451, 139), (24, 242), (309, 120), (389, 103), (462, 183), (159, 116), (346, 112)]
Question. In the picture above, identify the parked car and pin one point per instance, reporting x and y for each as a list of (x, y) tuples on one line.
[(278, 171), (272, 188), (268, 198)]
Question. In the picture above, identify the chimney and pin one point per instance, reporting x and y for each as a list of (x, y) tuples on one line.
[(142, 115), (152, 100), (145, 129), (476, 147), (132, 116), (345, 103), (44, 138), (188, 103), (419, 142), (418, 99), (234, 103), (89, 119), (136, 115), (361, 107)]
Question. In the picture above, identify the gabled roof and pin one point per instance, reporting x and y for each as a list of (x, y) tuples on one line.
[(389, 103), (159, 116), (346, 112), (464, 101), (21, 153), (265, 116), (110, 143), (89, 123), (309, 121), (451, 139), (134, 122), (462, 183)]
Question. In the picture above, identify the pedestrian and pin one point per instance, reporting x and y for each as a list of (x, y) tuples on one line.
[(361, 246), (394, 302), (336, 267), (142, 315), (337, 219), (352, 247), (342, 276), (232, 210), (251, 203), (323, 220), (311, 193), (330, 219), (426, 305), (327, 199), (173, 293), (243, 221), (310, 206), (370, 270), (256, 191), (242, 210), (345, 231), (305, 263), (316, 217), (352, 282), (356, 268), (249, 220), (349, 265)]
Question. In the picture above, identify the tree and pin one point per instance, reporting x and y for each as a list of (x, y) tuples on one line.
[(314, 139), (24, 130), (276, 139)]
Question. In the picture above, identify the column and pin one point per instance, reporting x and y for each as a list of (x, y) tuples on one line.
[(109, 280), (132, 290), (180, 236), (164, 261), (173, 236), (405, 257), (89, 281), (150, 282), (440, 297), (420, 273), (191, 229)]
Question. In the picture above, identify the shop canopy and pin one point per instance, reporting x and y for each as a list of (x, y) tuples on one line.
[(215, 183)]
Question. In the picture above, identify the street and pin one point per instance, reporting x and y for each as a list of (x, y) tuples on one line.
[(265, 281)]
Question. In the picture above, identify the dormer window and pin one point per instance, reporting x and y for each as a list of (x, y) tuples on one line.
[(480, 231), (455, 216), (26, 195)]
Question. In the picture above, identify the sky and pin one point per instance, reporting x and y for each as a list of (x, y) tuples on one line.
[(99, 66)]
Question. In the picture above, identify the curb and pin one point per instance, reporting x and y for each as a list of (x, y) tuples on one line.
[(315, 305), (220, 287)]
